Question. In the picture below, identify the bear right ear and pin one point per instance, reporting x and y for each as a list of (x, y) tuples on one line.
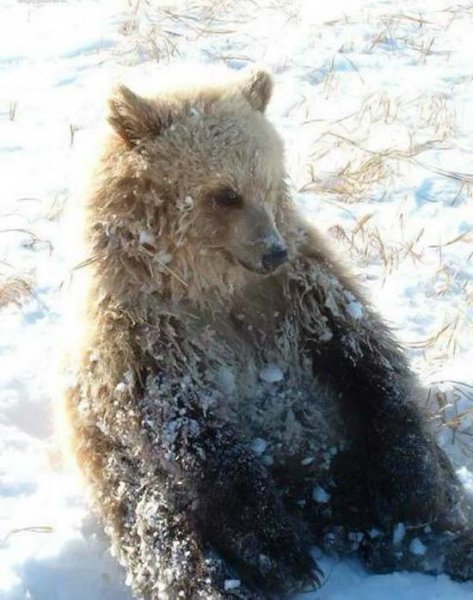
[(257, 89), (133, 118)]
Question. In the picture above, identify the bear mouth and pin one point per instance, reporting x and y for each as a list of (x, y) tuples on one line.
[(255, 269)]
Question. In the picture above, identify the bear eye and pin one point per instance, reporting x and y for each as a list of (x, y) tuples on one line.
[(227, 197)]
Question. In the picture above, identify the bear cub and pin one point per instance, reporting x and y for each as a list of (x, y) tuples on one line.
[(232, 397)]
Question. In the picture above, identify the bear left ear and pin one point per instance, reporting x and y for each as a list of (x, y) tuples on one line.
[(133, 117), (257, 89)]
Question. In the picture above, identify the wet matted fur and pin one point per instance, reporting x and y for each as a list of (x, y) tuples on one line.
[(231, 395)]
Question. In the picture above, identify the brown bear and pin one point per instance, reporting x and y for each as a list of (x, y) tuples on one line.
[(233, 398)]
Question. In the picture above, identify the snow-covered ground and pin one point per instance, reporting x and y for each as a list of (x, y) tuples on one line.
[(374, 101)]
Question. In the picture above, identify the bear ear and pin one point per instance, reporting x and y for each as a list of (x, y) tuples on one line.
[(133, 118), (257, 89)]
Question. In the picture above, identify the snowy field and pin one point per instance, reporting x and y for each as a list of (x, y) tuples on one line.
[(374, 101)]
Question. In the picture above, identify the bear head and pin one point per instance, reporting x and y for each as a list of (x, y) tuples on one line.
[(214, 165)]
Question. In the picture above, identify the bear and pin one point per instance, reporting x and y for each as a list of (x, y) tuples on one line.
[(232, 398)]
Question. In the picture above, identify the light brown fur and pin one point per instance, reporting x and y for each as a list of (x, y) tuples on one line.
[(177, 322)]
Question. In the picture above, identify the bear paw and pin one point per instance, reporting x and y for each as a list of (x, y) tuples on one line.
[(459, 558), (277, 565)]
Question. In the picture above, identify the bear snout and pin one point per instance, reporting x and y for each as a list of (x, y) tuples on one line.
[(276, 256)]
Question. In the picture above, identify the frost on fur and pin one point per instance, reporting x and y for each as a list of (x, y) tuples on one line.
[(235, 398)]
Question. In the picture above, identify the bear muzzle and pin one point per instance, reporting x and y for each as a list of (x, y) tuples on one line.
[(276, 256)]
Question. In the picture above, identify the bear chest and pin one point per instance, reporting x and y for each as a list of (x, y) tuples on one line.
[(262, 383)]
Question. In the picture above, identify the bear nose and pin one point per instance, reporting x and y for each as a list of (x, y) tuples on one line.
[(276, 256)]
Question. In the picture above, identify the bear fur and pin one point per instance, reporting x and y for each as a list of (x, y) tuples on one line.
[(232, 398)]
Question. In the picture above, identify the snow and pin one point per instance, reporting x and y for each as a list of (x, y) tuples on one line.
[(185, 204), (346, 580), (271, 374), (146, 237), (320, 495), (355, 310), (399, 533), (231, 584), (259, 445), (417, 547), (373, 100)]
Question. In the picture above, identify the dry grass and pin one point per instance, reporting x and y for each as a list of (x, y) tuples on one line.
[(366, 171), (17, 281), (158, 29), (443, 342), (73, 129), (369, 244), (15, 289), (57, 206), (353, 180), (12, 108), (32, 529), (452, 404), (34, 239)]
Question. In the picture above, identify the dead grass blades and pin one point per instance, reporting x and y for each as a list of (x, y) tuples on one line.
[(451, 402), (32, 529), (15, 289)]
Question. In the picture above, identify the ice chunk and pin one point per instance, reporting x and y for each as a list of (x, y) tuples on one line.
[(466, 477), (146, 237), (326, 336), (186, 203), (374, 533), (271, 374), (355, 310), (417, 547), (231, 584), (259, 445), (226, 380), (399, 533), (320, 495)]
